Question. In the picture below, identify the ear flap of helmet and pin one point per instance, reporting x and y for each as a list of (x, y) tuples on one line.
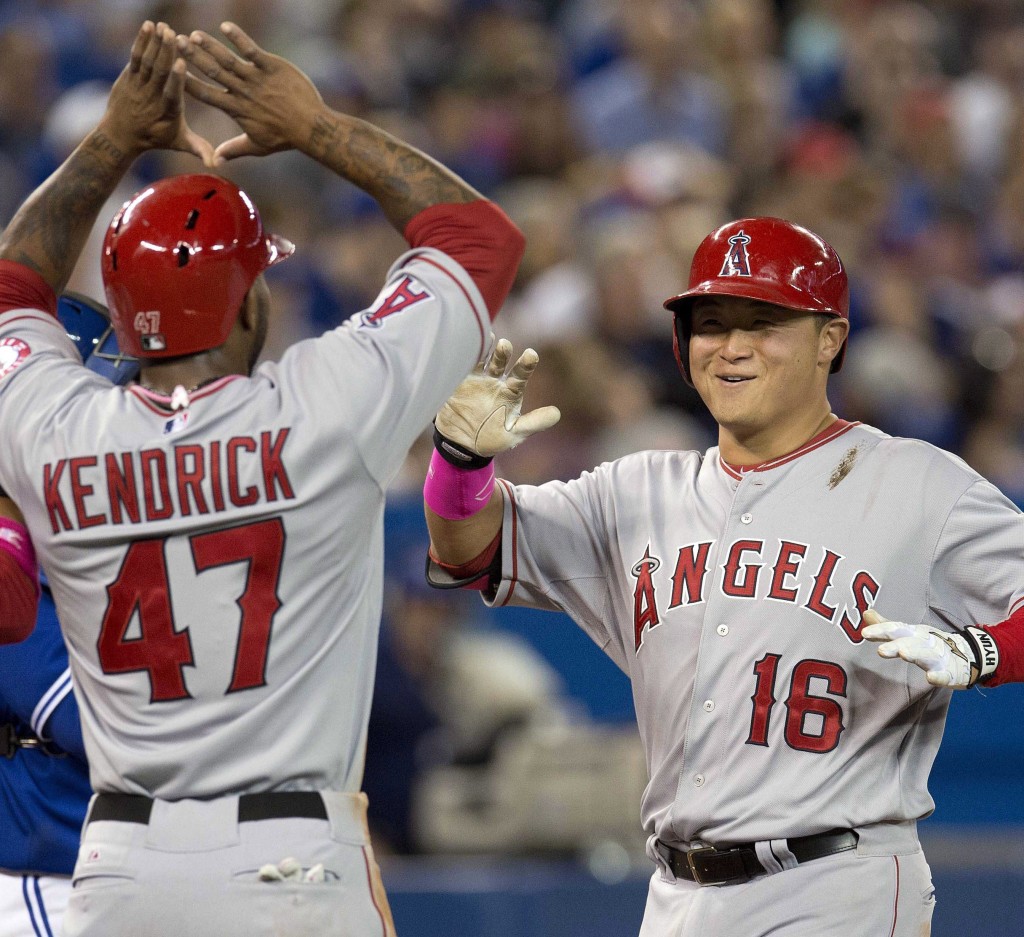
[(681, 344)]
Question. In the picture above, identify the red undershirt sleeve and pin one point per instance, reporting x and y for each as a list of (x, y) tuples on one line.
[(23, 288), (481, 237), (1009, 638), (18, 601)]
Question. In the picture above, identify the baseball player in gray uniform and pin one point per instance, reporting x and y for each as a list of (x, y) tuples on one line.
[(213, 538), (788, 761)]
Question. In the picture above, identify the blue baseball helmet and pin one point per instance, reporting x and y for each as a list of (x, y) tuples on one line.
[(87, 323)]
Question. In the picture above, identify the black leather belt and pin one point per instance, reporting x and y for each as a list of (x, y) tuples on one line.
[(270, 805), (707, 865)]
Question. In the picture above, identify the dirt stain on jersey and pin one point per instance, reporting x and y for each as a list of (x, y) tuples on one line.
[(844, 467)]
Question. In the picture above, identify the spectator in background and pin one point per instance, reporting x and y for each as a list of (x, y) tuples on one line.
[(656, 90), (761, 86), (449, 688), (27, 64), (557, 301), (73, 114), (995, 443), (403, 719)]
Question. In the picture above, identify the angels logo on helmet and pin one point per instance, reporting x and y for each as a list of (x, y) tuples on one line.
[(737, 262)]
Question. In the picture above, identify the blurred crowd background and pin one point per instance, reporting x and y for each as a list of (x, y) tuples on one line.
[(616, 133)]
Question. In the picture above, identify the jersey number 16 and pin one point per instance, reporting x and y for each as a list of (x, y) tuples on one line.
[(813, 723)]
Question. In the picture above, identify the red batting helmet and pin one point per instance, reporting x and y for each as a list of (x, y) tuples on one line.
[(178, 260), (767, 259)]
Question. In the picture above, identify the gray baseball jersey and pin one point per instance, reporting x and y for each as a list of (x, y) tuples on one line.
[(217, 567), (732, 599)]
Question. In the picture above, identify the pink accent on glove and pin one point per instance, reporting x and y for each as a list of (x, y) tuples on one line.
[(14, 539), (457, 493)]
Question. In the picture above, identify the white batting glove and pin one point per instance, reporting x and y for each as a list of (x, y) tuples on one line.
[(290, 870), (484, 415), (956, 661)]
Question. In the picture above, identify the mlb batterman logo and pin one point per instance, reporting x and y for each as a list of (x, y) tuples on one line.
[(737, 263), (12, 352)]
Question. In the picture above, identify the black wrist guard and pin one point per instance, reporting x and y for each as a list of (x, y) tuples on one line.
[(986, 653), (457, 455)]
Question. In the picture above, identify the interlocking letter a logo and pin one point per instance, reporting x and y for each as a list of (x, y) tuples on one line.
[(737, 263)]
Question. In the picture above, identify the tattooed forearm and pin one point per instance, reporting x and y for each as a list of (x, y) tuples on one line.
[(50, 229), (324, 137), (102, 145), (402, 179)]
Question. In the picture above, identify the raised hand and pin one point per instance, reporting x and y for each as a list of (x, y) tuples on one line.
[(145, 108), (279, 108), (271, 99), (484, 415)]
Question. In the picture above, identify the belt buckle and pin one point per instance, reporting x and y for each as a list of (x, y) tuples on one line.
[(728, 866)]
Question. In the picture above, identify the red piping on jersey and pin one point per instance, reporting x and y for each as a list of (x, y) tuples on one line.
[(515, 551), (154, 401), (831, 432), (896, 900), (472, 305), (373, 895)]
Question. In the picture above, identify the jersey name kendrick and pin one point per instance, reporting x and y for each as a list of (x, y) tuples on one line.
[(783, 571), (154, 484)]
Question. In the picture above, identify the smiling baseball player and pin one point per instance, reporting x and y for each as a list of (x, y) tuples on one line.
[(213, 537), (788, 762)]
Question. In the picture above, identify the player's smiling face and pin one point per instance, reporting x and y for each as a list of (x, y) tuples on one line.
[(762, 372)]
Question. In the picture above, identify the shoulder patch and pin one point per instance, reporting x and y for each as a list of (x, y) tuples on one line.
[(12, 352), (404, 293)]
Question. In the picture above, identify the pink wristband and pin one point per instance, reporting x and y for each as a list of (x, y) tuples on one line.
[(14, 539), (456, 493)]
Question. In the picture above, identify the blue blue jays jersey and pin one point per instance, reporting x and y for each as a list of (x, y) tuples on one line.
[(43, 794)]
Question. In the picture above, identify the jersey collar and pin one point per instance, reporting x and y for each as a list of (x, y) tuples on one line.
[(165, 404), (830, 432)]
